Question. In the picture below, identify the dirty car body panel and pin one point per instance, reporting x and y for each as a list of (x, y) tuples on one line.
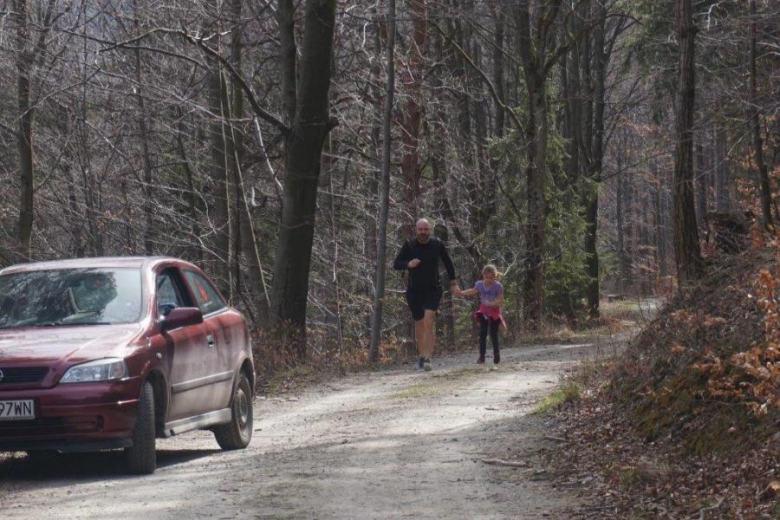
[(79, 339)]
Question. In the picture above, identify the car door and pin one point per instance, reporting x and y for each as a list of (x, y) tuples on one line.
[(220, 335), (191, 361)]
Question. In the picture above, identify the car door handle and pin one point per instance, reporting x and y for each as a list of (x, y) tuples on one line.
[(211, 341)]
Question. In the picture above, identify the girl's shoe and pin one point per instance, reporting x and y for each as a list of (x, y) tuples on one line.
[(481, 360)]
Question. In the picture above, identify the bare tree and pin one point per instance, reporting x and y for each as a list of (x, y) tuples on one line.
[(384, 199), (532, 45), (302, 164), (687, 254), (765, 192), (26, 115)]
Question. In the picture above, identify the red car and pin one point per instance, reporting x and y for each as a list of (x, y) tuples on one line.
[(104, 353)]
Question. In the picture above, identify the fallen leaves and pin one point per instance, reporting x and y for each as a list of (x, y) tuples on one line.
[(621, 476)]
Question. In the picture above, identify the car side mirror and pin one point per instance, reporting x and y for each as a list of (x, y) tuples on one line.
[(181, 317)]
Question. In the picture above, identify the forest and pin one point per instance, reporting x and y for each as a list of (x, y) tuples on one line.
[(586, 147), (597, 152)]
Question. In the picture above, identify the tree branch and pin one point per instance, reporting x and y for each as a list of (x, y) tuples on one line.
[(487, 81), (261, 113), (201, 43)]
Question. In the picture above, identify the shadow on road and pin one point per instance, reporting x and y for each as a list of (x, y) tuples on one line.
[(44, 466)]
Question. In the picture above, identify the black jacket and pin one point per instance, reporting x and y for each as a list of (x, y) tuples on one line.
[(426, 275)]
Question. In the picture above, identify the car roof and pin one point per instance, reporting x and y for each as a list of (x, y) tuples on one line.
[(89, 263)]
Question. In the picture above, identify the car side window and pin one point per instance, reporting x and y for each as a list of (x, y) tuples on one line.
[(169, 292), (208, 298)]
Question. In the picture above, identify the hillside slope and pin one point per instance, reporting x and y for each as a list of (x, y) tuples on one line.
[(685, 423)]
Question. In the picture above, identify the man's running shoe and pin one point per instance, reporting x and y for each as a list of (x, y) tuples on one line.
[(496, 358), (481, 360)]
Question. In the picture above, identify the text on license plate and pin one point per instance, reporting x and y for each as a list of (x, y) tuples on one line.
[(17, 410)]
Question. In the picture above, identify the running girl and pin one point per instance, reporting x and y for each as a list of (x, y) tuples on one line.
[(491, 296)]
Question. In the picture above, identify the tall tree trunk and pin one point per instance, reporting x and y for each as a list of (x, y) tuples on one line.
[(24, 138), (143, 128), (442, 212), (498, 72), (92, 198), (196, 252), (384, 198), (219, 181), (466, 154), (233, 101), (598, 75), (690, 265), (371, 207), (288, 59), (630, 218), (765, 191), (574, 106), (621, 240), (660, 220), (412, 112), (330, 231), (701, 182), (533, 287), (302, 164), (532, 49), (723, 183), (242, 231)]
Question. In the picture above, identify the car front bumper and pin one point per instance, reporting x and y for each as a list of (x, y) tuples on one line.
[(73, 417)]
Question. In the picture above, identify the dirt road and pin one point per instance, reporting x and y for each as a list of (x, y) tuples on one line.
[(389, 444)]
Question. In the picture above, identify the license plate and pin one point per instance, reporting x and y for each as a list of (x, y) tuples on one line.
[(17, 410)]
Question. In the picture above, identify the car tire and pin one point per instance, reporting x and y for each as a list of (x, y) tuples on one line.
[(141, 457), (236, 434)]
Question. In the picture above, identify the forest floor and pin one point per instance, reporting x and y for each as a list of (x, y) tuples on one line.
[(674, 427), (457, 442)]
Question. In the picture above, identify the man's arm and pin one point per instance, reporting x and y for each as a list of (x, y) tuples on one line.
[(402, 260), (445, 258), (447, 261)]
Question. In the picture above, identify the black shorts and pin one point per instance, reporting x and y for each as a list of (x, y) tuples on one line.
[(420, 301)]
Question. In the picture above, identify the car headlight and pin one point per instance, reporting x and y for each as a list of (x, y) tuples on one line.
[(100, 370)]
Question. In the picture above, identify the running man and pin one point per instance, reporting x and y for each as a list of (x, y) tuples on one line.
[(420, 256)]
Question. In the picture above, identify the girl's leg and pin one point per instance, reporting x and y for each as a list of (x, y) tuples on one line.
[(483, 332), (494, 324)]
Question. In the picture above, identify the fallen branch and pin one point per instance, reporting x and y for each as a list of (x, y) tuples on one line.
[(508, 463)]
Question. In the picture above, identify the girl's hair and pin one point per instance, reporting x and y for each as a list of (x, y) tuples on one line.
[(490, 268)]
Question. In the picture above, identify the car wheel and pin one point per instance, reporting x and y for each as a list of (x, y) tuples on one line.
[(236, 434), (141, 457)]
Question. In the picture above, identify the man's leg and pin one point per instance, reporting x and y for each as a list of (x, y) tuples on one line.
[(416, 305), (419, 336), (429, 333)]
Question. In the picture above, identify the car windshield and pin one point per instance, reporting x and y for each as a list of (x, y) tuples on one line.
[(70, 297)]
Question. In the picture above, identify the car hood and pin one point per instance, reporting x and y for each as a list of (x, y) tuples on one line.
[(50, 345)]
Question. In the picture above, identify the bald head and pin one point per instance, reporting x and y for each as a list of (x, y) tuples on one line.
[(423, 230)]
